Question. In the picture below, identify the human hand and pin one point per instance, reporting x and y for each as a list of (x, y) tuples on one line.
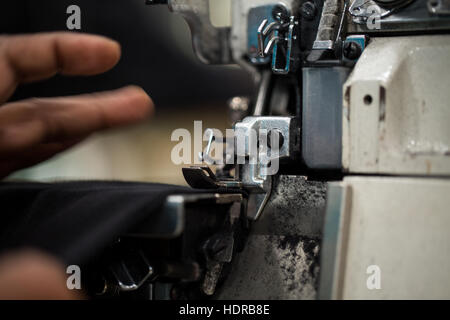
[(33, 275), (34, 130)]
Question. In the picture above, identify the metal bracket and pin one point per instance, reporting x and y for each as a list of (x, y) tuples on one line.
[(131, 281), (282, 35), (291, 37), (330, 29), (361, 10), (204, 178), (252, 176)]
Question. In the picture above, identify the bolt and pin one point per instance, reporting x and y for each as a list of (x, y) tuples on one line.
[(308, 10), (352, 50), (280, 13)]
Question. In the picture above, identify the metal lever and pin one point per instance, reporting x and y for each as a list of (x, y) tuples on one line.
[(270, 45), (206, 156), (290, 39), (277, 30), (263, 31), (204, 178), (261, 38)]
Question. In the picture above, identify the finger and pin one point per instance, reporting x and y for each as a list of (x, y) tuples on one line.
[(28, 123), (34, 156), (33, 275), (26, 58)]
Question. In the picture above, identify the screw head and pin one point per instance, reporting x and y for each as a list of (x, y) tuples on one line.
[(280, 13), (308, 10), (352, 50)]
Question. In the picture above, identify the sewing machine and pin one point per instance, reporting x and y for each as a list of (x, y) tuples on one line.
[(354, 95)]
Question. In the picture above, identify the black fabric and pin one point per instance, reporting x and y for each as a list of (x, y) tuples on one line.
[(75, 220)]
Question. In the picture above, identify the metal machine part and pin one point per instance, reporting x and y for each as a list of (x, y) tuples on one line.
[(396, 108), (279, 39), (186, 247), (408, 17), (131, 280), (362, 10), (211, 44), (204, 178), (284, 131), (354, 46), (247, 16), (322, 114), (341, 97), (366, 229), (253, 160), (285, 128), (329, 25), (439, 7)]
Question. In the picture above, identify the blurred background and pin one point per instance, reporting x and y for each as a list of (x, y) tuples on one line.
[(157, 55)]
